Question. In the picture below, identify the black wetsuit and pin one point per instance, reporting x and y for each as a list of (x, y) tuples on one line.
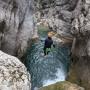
[(48, 43)]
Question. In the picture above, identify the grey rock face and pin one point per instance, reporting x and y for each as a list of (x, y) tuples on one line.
[(16, 26), (58, 14), (81, 30), (13, 74), (81, 45)]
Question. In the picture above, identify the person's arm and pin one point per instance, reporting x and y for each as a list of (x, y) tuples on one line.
[(53, 44), (45, 42)]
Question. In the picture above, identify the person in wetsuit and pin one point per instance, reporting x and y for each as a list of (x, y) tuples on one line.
[(48, 43)]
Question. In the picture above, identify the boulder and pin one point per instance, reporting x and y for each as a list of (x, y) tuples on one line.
[(13, 74), (62, 86)]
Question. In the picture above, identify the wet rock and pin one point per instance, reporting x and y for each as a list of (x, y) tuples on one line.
[(62, 86), (13, 74), (62, 40)]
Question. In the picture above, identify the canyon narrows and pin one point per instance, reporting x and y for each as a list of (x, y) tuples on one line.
[(19, 21), (50, 69)]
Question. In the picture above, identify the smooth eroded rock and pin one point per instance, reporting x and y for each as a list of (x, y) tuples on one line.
[(62, 86)]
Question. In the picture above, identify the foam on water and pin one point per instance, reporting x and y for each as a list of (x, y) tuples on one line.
[(60, 76)]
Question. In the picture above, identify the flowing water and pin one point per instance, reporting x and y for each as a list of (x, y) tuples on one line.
[(46, 70)]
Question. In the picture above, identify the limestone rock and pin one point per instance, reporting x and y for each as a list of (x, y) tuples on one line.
[(80, 68), (16, 26), (13, 74), (57, 15)]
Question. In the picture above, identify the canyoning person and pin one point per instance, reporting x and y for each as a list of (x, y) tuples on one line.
[(48, 44)]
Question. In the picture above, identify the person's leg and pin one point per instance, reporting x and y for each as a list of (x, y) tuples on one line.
[(48, 50), (45, 53)]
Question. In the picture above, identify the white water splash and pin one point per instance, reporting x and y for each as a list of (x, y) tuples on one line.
[(60, 77)]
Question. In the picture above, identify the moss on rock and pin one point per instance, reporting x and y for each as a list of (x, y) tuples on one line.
[(65, 85)]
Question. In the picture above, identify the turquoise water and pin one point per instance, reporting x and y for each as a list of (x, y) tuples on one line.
[(49, 69)]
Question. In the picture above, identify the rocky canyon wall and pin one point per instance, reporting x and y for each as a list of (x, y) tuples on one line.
[(56, 14), (16, 30), (16, 26), (80, 68), (70, 18)]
